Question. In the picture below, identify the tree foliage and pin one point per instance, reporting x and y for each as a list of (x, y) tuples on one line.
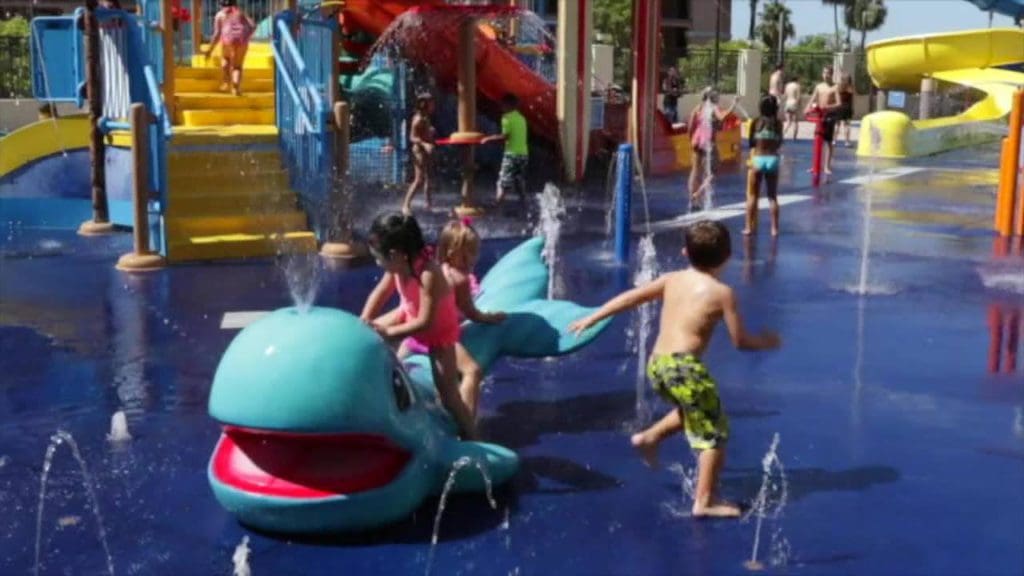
[(16, 27), (614, 19), (865, 16), (768, 29)]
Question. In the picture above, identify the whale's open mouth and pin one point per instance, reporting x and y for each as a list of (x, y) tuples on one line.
[(292, 465)]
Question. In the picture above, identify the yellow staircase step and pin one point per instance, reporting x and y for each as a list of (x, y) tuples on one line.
[(239, 134), (252, 62), (255, 185), (213, 85), (203, 73), (237, 162), (223, 246), (212, 225), (222, 101), (247, 204), (254, 48), (223, 117)]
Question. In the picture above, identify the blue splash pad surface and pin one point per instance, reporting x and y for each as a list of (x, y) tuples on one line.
[(903, 454)]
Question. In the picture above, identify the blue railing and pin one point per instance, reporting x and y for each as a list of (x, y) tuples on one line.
[(302, 111)]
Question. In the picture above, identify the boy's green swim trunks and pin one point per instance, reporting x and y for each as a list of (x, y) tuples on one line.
[(683, 380)]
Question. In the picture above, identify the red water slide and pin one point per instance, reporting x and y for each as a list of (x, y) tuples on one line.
[(433, 42)]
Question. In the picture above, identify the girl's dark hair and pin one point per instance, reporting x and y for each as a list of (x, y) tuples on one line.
[(769, 105), (228, 3), (396, 231)]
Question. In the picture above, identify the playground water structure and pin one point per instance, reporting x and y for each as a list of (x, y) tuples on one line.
[(82, 341), (567, 418), (985, 60)]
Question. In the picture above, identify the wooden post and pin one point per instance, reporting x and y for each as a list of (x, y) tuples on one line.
[(167, 27), (339, 243), (141, 259), (100, 223), (467, 114), (197, 26)]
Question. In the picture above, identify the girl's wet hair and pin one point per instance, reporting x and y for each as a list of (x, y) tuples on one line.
[(398, 232), (769, 105), (228, 3), (456, 237)]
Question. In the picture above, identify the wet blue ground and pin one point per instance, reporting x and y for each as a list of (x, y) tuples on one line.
[(903, 453)]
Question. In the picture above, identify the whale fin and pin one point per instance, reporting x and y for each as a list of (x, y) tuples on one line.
[(517, 278), (499, 462), (535, 329)]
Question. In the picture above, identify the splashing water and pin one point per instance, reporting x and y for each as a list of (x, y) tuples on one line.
[(552, 210), (240, 558), (119, 428), (302, 273), (770, 501), (58, 438), (458, 466), (646, 273), (688, 488)]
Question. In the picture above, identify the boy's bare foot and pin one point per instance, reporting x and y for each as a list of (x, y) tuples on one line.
[(747, 231), (648, 449), (719, 509), (775, 231), (407, 210), (224, 87)]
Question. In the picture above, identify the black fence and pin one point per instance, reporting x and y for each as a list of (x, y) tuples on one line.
[(15, 73), (698, 69)]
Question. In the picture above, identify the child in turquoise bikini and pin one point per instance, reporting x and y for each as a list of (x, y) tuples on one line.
[(765, 142), (694, 300)]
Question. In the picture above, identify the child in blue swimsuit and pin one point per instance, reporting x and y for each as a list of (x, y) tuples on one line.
[(765, 141)]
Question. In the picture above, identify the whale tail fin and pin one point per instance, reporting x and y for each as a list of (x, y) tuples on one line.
[(535, 327)]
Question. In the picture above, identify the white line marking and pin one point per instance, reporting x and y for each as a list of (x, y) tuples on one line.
[(720, 213), (887, 174), (239, 320)]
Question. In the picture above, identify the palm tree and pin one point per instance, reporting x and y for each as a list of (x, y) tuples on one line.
[(836, 4), (753, 20), (865, 16), (768, 29)]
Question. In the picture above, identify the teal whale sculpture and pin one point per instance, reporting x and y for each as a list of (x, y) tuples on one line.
[(326, 431)]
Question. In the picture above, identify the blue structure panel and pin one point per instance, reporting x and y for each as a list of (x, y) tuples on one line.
[(56, 77)]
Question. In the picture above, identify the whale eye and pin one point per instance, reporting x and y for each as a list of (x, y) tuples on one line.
[(400, 386)]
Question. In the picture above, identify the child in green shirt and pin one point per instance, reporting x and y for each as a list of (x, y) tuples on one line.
[(513, 163)]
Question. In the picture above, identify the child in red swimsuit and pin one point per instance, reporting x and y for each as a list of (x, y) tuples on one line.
[(233, 29), (427, 309)]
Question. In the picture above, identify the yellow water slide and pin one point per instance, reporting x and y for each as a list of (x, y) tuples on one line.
[(973, 58)]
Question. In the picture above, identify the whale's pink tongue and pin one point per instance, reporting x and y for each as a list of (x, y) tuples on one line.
[(306, 465)]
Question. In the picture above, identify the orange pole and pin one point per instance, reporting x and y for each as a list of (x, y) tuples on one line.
[(1004, 202), (1012, 166), (1017, 129)]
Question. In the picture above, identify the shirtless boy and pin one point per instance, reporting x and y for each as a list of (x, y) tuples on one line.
[(421, 136), (695, 300), (825, 99)]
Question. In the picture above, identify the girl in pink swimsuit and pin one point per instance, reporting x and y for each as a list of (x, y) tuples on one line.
[(233, 29), (427, 309), (458, 250)]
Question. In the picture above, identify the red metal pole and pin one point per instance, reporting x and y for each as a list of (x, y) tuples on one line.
[(1012, 341), (819, 143), (995, 327)]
